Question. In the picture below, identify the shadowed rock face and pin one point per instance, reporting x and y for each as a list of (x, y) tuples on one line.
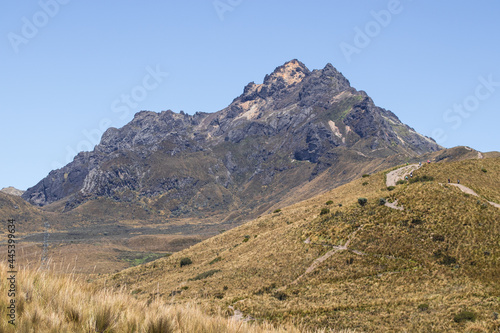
[(276, 136)]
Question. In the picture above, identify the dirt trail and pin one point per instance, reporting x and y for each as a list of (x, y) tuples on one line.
[(399, 174), (327, 255), (467, 190), (239, 316), (394, 205)]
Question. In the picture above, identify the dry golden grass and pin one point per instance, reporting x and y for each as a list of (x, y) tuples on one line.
[(410, 270), (47, 302)]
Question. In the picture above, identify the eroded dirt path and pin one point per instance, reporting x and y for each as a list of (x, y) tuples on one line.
[(467, 190), (327, 255), (399, 174), (394, 205)]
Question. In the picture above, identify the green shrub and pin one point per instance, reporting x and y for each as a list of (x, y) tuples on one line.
[(484, 170), (417, 221), (280, 295), (381, 201), (423, 307), (366, 175), (205, 275), (465, 316), (277, 211), (401, 182), (186, 261), (362, 201), (390, 188), (424, 178), (365, 183), (329, 202), (448, 260), (266, 290), (324, 211), (438, 238), (219, 295), (247, 237), (215, 260)]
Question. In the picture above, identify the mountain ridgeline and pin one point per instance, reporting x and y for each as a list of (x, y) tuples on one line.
[(298, 127)]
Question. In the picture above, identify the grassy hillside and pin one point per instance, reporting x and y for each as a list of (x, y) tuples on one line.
[(432, 266), (54, 303)]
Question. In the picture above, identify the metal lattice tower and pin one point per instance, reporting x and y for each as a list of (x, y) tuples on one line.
[(45, 245)]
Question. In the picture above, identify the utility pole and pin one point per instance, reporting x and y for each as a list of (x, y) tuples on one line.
[(45, 245)]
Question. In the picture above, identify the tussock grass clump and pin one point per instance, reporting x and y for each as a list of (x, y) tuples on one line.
[(160, 325), (105, 318), (324, 211), (205, 275), (464, 316)]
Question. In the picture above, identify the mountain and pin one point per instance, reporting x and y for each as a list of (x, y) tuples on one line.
[(420, 257), (297, 127), (12, 191)]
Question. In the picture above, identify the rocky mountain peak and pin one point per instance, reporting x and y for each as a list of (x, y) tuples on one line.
[(280, 134)]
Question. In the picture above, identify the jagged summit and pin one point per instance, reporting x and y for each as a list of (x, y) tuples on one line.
[(297, 127), (291, 72)]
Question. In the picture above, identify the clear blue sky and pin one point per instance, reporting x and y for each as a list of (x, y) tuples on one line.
[(66, 68)]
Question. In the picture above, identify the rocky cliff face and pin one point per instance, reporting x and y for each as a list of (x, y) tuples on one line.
[(273, 138)]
